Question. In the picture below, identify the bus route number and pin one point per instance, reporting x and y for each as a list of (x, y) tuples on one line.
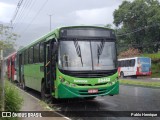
[(102, 80)]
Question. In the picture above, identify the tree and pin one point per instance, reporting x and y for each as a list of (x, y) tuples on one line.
[(139, 23), (131, 52), (7, 38), (108, 26)]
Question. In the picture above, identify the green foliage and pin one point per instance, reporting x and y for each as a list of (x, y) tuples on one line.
[(108, 26), (7, 39), (155, 70), (13, 101), (131, 52), (139, 23), (140, 83), (8, 51), (153, 56)]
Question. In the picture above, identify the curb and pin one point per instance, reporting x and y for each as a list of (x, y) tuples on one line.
[(155, 78), (48, 107)]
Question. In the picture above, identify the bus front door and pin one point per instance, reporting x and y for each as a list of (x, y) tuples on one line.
[(49, 66)]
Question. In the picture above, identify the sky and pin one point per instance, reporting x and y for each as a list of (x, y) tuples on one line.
[(33, 18)]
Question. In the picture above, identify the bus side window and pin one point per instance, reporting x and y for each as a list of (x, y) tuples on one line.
[(26, 57), (36, 53), (126, 63), (132, 62), (119, 63), (31, 55), (23, 57), (41, 50), (123, 63)]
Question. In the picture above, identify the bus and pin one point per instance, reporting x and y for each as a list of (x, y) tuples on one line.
[(11, 66), (135, 66), (71, 62)]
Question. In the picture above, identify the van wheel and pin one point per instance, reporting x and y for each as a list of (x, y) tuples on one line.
[(122, 75)]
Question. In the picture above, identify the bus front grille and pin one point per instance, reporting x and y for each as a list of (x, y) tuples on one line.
[(89, 74)]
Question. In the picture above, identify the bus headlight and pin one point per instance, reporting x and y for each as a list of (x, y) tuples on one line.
[(73, 85), (67, 83)]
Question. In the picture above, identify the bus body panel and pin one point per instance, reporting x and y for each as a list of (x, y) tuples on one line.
[(136, 69), (71, 92), (11, 67), (33, 76), (73, 87)]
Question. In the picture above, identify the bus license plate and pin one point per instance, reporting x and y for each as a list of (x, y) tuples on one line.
[(93, 91)]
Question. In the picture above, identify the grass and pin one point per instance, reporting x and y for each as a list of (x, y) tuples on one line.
[(155, 70), (13, 101), (152, 56), (140, 83)]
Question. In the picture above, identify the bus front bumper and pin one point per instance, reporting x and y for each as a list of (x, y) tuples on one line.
[(73, 92)]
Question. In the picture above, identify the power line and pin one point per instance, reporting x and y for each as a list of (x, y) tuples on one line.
[(25, 13), (16, 11), (41, 8), (22, 10)]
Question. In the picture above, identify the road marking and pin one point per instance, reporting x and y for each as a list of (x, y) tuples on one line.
[(46, 104)]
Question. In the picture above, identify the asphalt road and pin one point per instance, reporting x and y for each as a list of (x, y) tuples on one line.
[(131, 98)]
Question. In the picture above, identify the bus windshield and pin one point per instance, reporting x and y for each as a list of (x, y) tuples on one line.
[(87, 55)]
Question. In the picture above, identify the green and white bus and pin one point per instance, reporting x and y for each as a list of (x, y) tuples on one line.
[(71, 62)]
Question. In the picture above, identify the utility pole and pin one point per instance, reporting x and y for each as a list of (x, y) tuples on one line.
[(50, 18), (2, 84)]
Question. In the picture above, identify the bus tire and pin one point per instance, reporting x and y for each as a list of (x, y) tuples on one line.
[(122, 74), (43, 91), (23, 84), (134, 77)]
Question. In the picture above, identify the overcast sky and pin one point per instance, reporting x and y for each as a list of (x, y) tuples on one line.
[(32, 20)]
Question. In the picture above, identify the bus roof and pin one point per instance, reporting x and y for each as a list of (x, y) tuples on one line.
[(54, 34), (14, 53), (131, 58)]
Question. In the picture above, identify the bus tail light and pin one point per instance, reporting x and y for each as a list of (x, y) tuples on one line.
[(137, 69)]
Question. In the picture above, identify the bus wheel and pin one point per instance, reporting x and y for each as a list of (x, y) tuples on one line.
[(23, 85), (44, 94), (134, 77), (43, 91), (122, 75)]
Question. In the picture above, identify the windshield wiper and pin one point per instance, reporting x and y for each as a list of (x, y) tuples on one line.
[(100, 49), (78, 50)]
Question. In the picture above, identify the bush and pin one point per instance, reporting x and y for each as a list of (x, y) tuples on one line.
[(13, 101), (131, 52)]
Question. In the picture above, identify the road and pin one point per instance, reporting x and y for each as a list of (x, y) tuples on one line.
[(131, 98)]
